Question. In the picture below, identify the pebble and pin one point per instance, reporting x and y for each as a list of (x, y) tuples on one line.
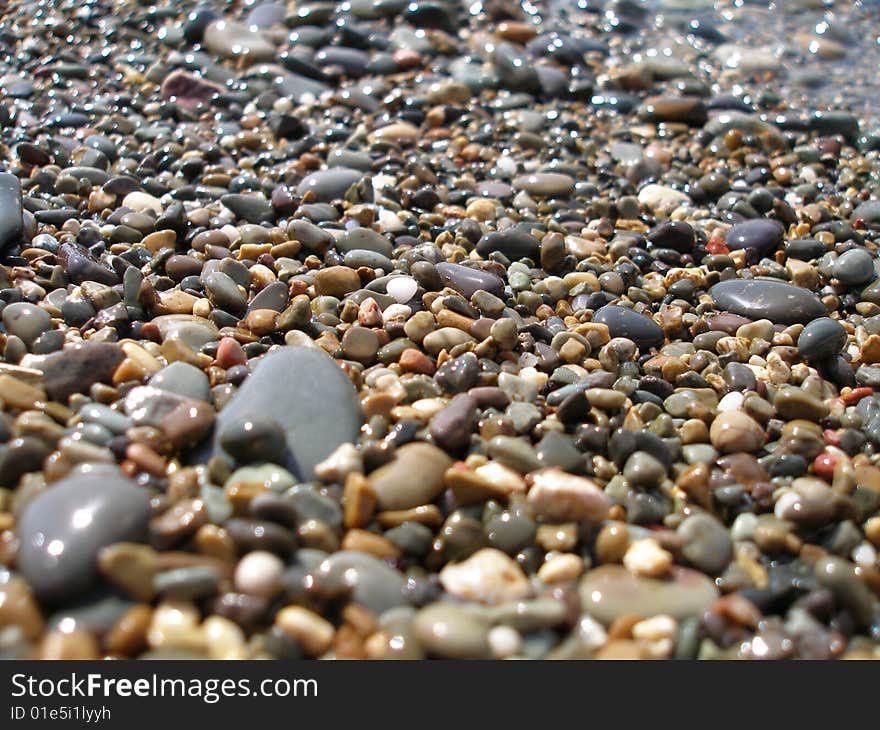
[(452, 632), (854, 267), (393, 484), (777, 301), (317, 409), (557, 495), (63, 529), (734, 431), (624, 322), (821, 339), (610, 591), (488, 576), (11, 221)]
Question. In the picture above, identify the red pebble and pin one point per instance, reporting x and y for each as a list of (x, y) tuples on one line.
[(855, 395), (831, 437), (823, 465), (230, 353), (717, 246)]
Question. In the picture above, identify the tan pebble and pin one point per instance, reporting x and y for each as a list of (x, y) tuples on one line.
[(66, 645), (481, 210), (312, 632), (558, 495), (612, 542), (358, 500), (128, 636), (560, 568), (363, 541), (734, 431), (156, 241), (17, 394), (870, 350), (647, 559), (131, 567), (488, 576), (561, 538), (175, 624), (224, 639), (261, 321)]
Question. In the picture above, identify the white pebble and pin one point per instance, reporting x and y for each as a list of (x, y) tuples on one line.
[(731, 402), (646, 558), (591, 632), (864, 555), (258, 573), (401, 288), (396, 313), (787, 502), (504, 642)]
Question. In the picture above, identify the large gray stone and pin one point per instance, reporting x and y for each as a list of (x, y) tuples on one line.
[(777, 301), (63, 528), (309, 396)]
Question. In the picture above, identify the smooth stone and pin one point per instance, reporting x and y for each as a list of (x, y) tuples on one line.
[(231, 39), (451, 426), (224, 293), (274, 297), (556, 449), (331, 184), (81, 265), (514, 243), (26, 320), (624, 322), (188, 90), (777, 301), (687, 109), (192, 331), (401, 288), (854, 267), (75, 369), (761, 235), (677, 235), (183, 379), (734, 431), (545, 184), (370, 582), (706, 543), (610, 591), (662, 199), (364, 239), (307, 393), (451, 631), (842, 579), (794, 403), (11, 221), (63, 528), (413, 478), (468, 281), (254, 440), (820, 339), (265, 15), (251, 207)]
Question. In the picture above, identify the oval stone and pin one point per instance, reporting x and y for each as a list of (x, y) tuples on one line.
[(777, 301), (624, 322), (63, 528), (761, 235), (610, 591)]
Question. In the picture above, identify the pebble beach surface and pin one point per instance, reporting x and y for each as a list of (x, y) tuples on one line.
[(437, 329)]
